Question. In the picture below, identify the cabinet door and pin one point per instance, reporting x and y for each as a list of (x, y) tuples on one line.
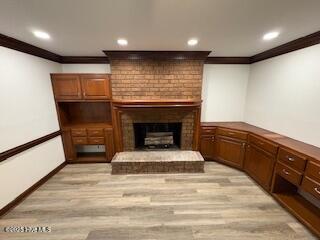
[(207, 147), (231, 151), (66, 86), (259, 165), (95, 86)]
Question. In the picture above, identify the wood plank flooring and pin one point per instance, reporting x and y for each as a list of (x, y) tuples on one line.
[(87, 202)]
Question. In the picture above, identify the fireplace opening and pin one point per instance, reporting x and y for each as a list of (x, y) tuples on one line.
[(157, 135)]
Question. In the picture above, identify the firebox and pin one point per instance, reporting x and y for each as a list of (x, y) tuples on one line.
[(157, 135)]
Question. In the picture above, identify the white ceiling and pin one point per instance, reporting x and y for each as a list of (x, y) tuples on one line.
[(226, 27)]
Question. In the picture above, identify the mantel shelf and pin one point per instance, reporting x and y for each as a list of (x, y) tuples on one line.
[(157, 103)]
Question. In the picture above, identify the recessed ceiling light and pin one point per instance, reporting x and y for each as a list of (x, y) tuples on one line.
[(122, 42), (270, 36), (192, 42), (42, 35)]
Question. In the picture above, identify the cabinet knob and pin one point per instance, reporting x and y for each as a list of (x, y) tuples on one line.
[(291, 159), (285, 172), (243, 145), (212, 139)]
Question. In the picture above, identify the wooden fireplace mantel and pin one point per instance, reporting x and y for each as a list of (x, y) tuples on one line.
[(157, 103)]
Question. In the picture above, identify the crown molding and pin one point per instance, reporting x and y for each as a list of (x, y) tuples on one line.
[(83, 59), (159, 55), (300, 43), (24, 47), (228, 60)]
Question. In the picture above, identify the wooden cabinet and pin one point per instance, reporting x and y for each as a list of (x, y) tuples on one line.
[(207, 143), (95, 87), (292, 159), (259, 165), (208, 147), (95, 137), (68, 145), (289, 174), (81, 86), (66, 86), (84, 113), (311, 186), (230, 151), (260, 159), (110, 149)]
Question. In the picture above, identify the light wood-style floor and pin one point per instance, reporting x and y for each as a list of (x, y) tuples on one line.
[(86, 202)]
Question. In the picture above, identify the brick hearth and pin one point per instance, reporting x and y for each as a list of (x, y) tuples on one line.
[(157, 162)]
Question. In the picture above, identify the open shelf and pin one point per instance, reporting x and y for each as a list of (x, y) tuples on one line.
[(96, 156), (289, 197), (305, 211), (77, 113), (91, 153)]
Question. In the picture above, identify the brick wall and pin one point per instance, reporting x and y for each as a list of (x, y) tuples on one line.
[(156, 79)]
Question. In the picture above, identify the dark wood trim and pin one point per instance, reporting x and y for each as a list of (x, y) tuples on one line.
[(294, 45), (84, 60), (28, 145), (21, 46), (161, 55), (228, 60), (31, 189), (167, 103)]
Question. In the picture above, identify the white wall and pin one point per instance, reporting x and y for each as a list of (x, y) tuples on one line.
[(26, 99), (224, 92), (27, 112), (284, 95), (21, 171), (86, 68)]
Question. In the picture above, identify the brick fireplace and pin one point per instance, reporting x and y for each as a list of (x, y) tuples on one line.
[(186, 117), (156, 87)]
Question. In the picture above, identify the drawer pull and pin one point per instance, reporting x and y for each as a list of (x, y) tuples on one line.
[(291, 159), (261, 143), (212, 139), (317, 190), (230, 133), (285, 172)]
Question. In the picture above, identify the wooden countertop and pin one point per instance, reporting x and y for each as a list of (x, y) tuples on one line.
[(304, 148)]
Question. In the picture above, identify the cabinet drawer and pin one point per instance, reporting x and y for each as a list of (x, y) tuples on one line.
[(232, 133), (96, 140), (313, 170), (263, 144), (79, 140), (208, 130), (311, 186), (292, 159), (95, 132), (79, 132), (288, 173)]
